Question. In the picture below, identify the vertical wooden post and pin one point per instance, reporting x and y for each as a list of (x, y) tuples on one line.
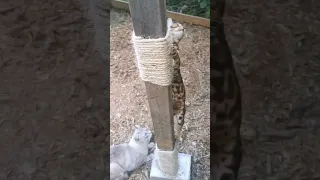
[(149, 21)]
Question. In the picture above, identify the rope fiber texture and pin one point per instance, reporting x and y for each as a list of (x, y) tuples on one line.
[(153, 58)]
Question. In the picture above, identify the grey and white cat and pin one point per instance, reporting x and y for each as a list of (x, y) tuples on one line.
[(127, 157)]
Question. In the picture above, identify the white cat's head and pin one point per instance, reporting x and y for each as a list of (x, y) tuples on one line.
[(142, 134), (177, 30)]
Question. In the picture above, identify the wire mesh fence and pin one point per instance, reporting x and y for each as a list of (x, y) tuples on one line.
[(199, 8)]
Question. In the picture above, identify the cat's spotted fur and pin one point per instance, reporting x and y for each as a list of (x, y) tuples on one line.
[(178, 88), (225, 145)]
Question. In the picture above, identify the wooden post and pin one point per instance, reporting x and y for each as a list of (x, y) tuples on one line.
[(149, 21)]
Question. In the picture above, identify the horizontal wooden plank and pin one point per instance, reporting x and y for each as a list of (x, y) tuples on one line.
[(118, 4)]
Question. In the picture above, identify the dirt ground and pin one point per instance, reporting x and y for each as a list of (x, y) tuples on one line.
[(128, 101), (276, 45), (53, 94)]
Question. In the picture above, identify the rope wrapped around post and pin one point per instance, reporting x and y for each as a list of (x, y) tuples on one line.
[(153, 58)]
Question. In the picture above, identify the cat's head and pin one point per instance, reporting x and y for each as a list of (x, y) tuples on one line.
[(177, 30), (142, 134)]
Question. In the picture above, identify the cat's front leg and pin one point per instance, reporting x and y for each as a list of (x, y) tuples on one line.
[(150, 157), (124, 176), (151, 147)]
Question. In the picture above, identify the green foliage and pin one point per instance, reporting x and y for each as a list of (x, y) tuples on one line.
[(199, 8)]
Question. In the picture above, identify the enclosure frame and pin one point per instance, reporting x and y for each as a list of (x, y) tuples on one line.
[(194, 20)]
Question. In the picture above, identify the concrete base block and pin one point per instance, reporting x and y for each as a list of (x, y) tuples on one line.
[(184, 172)]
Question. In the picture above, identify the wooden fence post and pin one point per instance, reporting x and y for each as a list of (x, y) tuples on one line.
[(149, 21)]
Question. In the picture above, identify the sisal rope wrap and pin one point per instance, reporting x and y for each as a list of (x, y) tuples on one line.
[(153, 58), (167, 161)]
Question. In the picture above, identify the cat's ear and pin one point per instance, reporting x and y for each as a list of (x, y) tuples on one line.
[(169, 23), (136, 126)]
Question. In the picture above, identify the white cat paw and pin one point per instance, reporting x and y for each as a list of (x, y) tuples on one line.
[(150, 157)]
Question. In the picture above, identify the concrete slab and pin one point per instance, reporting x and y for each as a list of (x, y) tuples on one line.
[(184, 172)]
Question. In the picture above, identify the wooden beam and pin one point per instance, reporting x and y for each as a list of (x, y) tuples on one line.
[(194, 20), (149, 20), (118, 4)]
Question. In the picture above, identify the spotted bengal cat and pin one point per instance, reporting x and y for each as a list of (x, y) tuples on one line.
[(178, 88), (225, 145)]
